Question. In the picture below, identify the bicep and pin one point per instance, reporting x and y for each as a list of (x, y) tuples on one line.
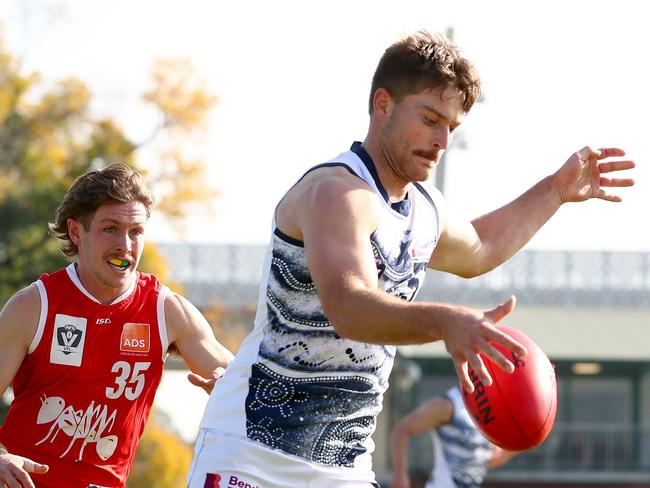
[(11, 356), (336, 227), (18, 324), (459, 248)]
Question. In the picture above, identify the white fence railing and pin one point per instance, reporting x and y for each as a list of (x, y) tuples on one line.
[(230, 274)]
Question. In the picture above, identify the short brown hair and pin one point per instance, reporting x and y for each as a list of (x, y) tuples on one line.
[(115, 183), (424, 61)]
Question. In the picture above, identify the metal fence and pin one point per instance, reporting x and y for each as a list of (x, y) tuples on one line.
[(588, 450), (580, 453), (230, 274)]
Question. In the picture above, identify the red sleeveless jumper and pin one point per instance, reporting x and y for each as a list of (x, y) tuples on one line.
[(84, 390)]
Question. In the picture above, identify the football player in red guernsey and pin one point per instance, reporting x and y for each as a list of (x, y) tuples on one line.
[(85, 346)]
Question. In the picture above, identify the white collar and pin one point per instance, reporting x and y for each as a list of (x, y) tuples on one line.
[(74, 277)]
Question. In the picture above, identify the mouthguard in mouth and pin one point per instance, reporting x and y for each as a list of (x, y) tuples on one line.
[(119, 262)]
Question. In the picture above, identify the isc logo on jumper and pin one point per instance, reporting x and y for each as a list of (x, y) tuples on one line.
[(135, 338), (68, 340)]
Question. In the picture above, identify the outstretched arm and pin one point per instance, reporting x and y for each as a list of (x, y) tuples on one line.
[(190, 333), (435, 412), (472, 249), (18, 324)]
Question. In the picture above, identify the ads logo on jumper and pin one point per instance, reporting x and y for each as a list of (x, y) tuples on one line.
[(135, 338), (68, 340)]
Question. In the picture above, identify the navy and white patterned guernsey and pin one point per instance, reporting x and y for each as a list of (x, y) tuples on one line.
[(310, 392), (461, 452)]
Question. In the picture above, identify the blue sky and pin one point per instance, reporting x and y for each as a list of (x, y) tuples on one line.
[(293, 77)]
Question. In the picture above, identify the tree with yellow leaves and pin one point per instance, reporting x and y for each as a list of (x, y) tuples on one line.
[(48, 137), (162, 459)]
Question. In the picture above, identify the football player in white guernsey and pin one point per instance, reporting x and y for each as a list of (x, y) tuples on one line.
[(350, 244), (462, 455)]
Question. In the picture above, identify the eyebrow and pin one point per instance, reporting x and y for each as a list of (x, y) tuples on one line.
[(119, 222), (453, 123)]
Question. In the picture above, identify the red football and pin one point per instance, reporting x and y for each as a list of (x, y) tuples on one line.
[(517, 411)]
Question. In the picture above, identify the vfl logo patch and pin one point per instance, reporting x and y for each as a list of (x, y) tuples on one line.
[(68, 340), (135, 338)]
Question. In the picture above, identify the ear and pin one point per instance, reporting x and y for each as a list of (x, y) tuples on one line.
[(382, 104), (74, 231)]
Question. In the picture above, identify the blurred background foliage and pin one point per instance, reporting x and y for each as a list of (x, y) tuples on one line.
[(162, 459), (48, 137)]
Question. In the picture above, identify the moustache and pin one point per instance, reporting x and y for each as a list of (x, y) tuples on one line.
[(430, 155)]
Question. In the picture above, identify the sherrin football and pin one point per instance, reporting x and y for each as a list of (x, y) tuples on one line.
[(517, 411)]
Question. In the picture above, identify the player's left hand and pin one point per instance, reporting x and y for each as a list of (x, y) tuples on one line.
[(581, 177), (206, 383)]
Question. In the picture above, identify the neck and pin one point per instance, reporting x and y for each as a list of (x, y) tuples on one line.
[(103, 293), (395, 187)]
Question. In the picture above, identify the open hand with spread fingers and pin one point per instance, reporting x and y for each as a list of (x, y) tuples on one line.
[(470, 334), (582, 176)]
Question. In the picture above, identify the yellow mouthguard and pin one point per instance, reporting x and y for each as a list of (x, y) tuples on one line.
[(118, 262)]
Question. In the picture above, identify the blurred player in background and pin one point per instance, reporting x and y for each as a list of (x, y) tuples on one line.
[(85, 346), (462, 455)]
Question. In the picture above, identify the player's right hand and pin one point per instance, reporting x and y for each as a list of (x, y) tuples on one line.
[(14, 470), (470, 333)]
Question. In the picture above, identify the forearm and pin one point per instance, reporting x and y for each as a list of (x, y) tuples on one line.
[(205, 357), (371, 315), (399, 445), (506, 230), (192, 336)]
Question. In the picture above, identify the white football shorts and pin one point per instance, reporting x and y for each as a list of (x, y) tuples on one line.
[(222, 460)]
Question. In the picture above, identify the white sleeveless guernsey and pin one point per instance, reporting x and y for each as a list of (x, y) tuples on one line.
[(461, 453), (297, 386)]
